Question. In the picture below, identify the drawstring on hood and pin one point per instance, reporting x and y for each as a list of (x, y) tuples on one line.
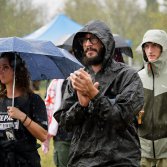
[(99, 29)]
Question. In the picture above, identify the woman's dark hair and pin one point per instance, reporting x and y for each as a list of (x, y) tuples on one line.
[(22, 78), (118, 55)]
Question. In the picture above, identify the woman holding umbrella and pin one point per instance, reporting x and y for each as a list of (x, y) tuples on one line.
[(23, 117)]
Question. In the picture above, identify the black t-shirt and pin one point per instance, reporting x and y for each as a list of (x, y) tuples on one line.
[(33, 106)]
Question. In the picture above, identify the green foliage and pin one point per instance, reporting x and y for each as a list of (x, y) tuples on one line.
[(152, 5), (82, 11), (18, 17), (124, 17)]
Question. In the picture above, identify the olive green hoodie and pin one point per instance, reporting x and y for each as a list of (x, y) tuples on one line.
[(153, 130)]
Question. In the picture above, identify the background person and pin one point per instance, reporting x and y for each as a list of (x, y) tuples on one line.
[(153, 128), (25, 122), (101, 102), (61, 138)]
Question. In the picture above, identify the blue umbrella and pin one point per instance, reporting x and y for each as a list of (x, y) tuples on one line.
[(43, 59)]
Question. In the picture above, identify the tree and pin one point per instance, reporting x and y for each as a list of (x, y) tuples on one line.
[(76, 10), (153, 16), (163, 6), (124, 17), (152, 5), (19, 17), (116, 14)]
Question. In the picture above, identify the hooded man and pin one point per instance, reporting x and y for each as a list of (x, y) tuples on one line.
[(101, 102), (153, 129)]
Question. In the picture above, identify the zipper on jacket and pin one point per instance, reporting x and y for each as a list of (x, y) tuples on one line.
[(153, 144)]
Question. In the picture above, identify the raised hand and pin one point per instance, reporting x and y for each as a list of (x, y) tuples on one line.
[(83, 84)]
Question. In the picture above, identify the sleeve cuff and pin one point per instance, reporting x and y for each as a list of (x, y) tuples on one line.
[(96, 98)]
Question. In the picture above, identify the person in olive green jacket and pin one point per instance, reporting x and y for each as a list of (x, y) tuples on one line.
[(153, 128)]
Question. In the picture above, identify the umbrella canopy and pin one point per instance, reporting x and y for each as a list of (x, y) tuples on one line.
[(59, 26), (120, 43), (65, 41), (67, 54), (122, 46), (43, 59)]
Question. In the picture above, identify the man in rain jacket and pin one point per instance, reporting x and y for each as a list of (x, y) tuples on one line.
[(153, 128), (101, 102)]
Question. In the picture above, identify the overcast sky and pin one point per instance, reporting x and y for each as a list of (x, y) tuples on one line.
[(54, 6)]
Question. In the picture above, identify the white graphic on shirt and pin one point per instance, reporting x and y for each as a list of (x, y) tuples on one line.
[(7, 122)]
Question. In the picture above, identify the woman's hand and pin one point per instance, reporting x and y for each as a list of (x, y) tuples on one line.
[(34, 128), (15, 113)]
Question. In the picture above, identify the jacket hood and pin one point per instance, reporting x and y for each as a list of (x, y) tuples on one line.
[(159, 37), (99, 29), (154, 36)]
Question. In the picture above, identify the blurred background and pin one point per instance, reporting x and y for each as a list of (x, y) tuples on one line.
[(128, 18)]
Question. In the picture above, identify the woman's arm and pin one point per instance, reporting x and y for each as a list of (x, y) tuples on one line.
[(34, 128)]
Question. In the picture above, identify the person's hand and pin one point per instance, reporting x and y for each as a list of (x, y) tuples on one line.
[(83, 99), (45, 144), (83, 84), (82, 81), (140, 115), (15, 113)]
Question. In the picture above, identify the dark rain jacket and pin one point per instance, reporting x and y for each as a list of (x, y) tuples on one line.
[(105, 134), (153, 130)]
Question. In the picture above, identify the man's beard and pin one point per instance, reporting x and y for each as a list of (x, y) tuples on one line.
[(96, 60)]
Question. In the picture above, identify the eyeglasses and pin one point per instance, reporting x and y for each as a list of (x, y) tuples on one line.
[(92, 39), (4, 68)]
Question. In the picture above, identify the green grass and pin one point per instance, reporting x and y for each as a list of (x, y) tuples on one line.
[(47, 159)]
